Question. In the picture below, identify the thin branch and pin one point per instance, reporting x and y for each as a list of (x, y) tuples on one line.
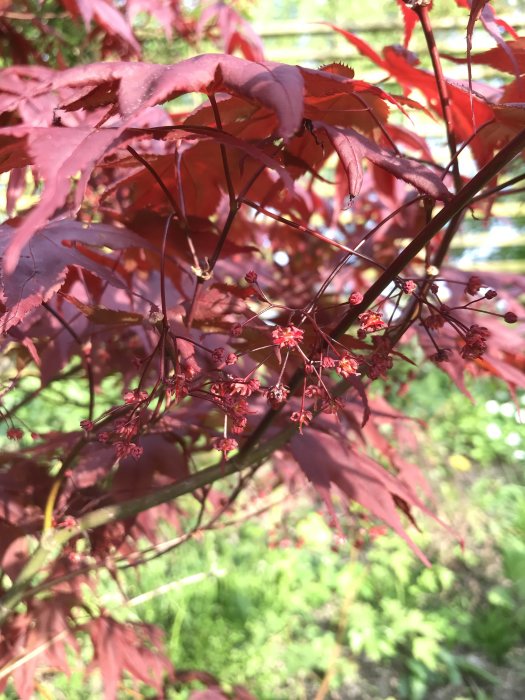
[(501, 186), (52, 541), (444, 98), (171, 199), (85, 355), (313, 232), (224, 155)]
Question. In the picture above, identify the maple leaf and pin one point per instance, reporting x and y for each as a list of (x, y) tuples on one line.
[(105, 316), (49, 632), (80, 149), (498, 57), (466, 106), (167, 14), (327, 460), (140, 86), (133, 647), (480, 9), (106, 15), (277, 86), (41, 270), (361, 45), (409, 20), (234, 31), (351, 147)]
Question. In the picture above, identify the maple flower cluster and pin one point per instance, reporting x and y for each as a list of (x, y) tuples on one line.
[(288, 337), (236, 396), (226, 445), (371, 322), (475, 337), (125, 429), (15, 433), (475, 342), (347, 366)]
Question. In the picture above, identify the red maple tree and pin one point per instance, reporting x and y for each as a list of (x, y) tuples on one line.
[(245, 269)]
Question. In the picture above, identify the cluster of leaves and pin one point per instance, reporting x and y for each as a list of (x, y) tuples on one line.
[(246, 268)]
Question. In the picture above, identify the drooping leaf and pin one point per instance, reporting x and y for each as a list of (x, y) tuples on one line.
[(42, 267), (137, 86), (352, 146), (135, 648), (327, 460), (79, 149), (103, 316), (409, 21), (480, 9)]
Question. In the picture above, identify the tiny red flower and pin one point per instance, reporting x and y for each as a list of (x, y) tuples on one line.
[(241, 408), (409, 287), (239, 425), (473, 285), (135, 396), (231, 358), (177, 385), (217, 355), (475, 342), (355, 298), (276, 395), (302, 418), (510, 317), (490, 294), (332, 406), (442, 355), (243, 387), (347, 366), (69, 521), (314, 391), (128, 449), (251, 277), (371, 321), (126, 430), (87, 425), (15, 434), (226, 445), (328, 362), (434, 321), (288, 337)]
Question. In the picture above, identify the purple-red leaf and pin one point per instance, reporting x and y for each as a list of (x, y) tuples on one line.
[(328, 461), (59, 154), (42, 266), (352, 146), (127, 647)]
